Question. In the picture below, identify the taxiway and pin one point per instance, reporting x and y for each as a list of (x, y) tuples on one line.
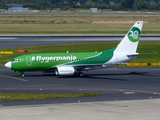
[(113, 83), (128, 93), (11, 41)]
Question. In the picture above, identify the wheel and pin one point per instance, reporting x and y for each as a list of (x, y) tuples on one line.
[(56, 72), (81, 74), (22, 75)]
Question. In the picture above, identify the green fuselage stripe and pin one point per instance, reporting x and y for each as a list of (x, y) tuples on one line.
[(101, 58)]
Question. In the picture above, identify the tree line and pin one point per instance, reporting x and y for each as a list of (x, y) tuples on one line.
[(114, 5)]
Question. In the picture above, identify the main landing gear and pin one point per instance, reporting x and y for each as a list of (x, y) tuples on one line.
[(79, 74)]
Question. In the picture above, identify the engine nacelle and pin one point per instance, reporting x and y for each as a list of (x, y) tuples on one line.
[(65, 70)]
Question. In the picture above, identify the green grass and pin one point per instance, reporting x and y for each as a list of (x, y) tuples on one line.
[(76, 24), (149, 47), (23, 96), (76, 19), (144, 47)]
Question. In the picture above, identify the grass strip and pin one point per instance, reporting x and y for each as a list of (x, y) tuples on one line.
[(144, 47), (76, 24), (74, 32), (23, 96)]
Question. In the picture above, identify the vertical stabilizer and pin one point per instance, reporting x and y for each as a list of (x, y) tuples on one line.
[(130, 42)]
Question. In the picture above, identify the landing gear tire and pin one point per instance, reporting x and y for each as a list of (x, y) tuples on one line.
[(22, 75), (56, 72), (80, 74)]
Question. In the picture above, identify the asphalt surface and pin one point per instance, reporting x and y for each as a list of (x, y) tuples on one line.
[(97, 81), (11, 41), (113, 83), (127, 93)]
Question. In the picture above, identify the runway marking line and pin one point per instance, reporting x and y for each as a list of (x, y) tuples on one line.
[(1, 75)]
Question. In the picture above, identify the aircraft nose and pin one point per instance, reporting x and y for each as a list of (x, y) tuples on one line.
[(8, 64)]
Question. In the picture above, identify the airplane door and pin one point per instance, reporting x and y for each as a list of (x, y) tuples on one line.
[(28, 61)]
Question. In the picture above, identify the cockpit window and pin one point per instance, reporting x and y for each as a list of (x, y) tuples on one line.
[(16, 60)]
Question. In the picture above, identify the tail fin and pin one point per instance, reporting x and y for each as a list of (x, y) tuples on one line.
[(130, 42)]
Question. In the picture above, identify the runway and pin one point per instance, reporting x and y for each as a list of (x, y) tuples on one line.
[(12, 41)]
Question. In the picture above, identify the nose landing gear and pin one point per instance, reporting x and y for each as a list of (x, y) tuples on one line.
[(22, 75)]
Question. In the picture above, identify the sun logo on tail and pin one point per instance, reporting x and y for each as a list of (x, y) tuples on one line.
[(134, 34)]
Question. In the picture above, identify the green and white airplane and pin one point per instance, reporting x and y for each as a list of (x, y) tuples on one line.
[(74, 63)]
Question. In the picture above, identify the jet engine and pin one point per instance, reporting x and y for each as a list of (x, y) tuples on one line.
[(65, 70)]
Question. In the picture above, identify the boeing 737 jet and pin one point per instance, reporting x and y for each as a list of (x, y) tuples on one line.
[(74, 63)]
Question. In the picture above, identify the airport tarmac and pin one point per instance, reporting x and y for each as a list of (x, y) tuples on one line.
[(110, 110), (113, 83), (11, 41), (128, 93)]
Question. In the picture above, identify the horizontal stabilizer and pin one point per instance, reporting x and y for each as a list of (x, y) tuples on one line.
[(138, 54)]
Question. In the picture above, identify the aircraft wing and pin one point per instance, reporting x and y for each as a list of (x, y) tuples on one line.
[(89, 67)]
